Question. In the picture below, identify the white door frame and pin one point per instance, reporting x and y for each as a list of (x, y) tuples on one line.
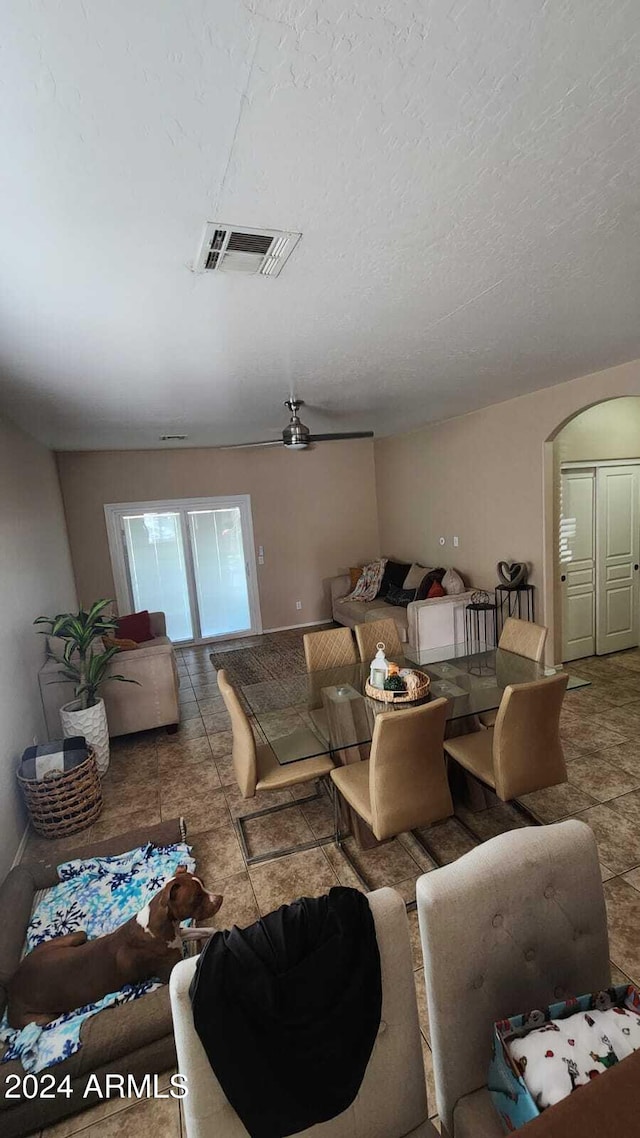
[(113, 513), (584, 465)]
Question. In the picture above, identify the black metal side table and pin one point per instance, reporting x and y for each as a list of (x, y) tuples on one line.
[(514, 602), (480, 630)]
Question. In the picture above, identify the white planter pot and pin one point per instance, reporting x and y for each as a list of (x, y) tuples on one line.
[(90, 722)]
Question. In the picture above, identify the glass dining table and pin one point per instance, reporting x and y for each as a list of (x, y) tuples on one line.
[(326, 711)]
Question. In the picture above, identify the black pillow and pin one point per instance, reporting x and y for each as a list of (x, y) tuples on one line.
[(427, 581), (394, 574), (400, 597)]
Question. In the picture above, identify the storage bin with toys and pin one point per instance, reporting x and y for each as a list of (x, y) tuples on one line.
[(541, 1057)]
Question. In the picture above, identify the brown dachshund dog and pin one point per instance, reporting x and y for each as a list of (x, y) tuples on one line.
[(71, 971)]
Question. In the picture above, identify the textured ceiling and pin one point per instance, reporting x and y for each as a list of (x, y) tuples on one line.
[(464, 172)]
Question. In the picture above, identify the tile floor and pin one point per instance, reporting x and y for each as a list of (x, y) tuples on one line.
[(155, 776)]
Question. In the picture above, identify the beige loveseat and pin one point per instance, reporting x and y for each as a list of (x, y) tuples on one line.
[(151, 702), (431, 629)]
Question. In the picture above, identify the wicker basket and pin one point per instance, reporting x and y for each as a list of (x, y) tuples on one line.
[(64, 802), (401, 696)]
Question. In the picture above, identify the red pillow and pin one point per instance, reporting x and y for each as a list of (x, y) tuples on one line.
[(436, 590), (136, 626)]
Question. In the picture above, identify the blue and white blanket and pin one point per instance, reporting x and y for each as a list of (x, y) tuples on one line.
[(98, 895)]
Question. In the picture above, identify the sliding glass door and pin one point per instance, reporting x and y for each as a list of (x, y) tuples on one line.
[(157, 572), (192, 560), (219, 568)]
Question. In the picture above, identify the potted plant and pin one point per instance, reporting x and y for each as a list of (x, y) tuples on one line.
[(86, 668)]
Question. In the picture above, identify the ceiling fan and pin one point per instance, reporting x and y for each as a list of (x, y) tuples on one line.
[(296, 436)]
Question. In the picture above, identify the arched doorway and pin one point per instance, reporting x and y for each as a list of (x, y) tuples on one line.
[(592, 530)]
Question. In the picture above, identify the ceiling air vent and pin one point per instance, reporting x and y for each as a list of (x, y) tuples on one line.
[(229, 249)]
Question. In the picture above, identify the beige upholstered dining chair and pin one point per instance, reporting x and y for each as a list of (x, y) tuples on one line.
[(523, 752), (331, 648), (256, 768), (523, 638), (392, 1100), (515, 924), (403, 785), (374, 632)]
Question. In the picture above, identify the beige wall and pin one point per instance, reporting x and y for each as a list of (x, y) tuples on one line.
[(610, 430), (485, 477), (35, 578), (313, 511)]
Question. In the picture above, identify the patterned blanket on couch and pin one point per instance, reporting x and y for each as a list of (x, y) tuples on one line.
[(98, 895)]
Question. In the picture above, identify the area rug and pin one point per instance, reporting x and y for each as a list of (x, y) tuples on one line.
[(257, 665), (242, 667)]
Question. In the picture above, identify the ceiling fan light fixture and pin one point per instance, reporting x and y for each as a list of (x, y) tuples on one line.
[(296, 436)]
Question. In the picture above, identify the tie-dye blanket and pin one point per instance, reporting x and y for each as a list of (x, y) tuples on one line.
[(98, 895)]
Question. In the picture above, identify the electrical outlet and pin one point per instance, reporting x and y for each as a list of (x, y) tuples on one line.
[(455, 543), (442, 541), (260, 555), (298, 604)]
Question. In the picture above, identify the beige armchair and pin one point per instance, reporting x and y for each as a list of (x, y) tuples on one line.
[(392, 1100), (152, 702), (515, 924)]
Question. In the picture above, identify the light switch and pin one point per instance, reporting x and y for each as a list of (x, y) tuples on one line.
[(455, 542), (260, 555)]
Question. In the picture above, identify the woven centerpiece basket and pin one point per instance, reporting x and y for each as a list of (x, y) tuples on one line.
[(64, 802), (401, 696)]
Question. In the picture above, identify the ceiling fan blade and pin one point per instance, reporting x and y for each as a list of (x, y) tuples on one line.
[(341, 435), (245, 446)]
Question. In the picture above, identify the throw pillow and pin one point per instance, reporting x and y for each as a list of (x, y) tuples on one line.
[(355, 574), (119, 642), (394, 574), (453, 584), (414, 576), (399, 597), (136, 626), (436, 590), (427, 581), (369, 583)]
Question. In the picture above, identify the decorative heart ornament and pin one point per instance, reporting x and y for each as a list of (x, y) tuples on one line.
[(512, 574)]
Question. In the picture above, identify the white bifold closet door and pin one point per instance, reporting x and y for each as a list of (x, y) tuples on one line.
[(577, 555), (618, 555), (599, 556)]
